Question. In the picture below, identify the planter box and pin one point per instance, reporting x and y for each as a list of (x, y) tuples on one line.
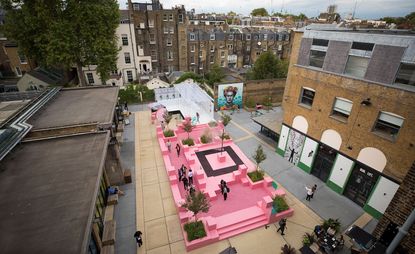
[(255, 185), (211, 237), (278, 216)]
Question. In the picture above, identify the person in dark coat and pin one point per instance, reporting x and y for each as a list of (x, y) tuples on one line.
[(178, 149), (185, 182), (283, 225), (313, 189), (225, 191), (138, 238)]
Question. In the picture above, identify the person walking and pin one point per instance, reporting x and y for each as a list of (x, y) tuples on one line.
[(283, 225), (314, 188), (197, 117), (309, 193), (190, 176), (185, 183), (125, 106), (138, 238), (225, 192), (168, 144), (192, 189), (178, 149), (180, 173)]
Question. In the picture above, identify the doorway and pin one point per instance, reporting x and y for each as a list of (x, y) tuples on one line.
[(323, 162), (360, 185)]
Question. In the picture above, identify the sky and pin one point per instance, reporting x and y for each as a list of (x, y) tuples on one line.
[(366, 9)]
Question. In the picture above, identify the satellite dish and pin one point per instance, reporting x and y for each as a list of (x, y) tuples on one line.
[(259, 43)]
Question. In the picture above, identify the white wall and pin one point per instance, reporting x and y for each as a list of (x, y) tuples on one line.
[(156, 83), (383, 194), (310, 146), (331, 138), (372, 157), (300, 123), (283, 137), (341, 170)]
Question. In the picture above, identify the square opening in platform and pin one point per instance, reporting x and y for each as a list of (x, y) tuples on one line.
[(211, 165)]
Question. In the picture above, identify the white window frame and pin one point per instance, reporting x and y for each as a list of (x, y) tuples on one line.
[(89, 77), (192, 37), (300, 101), (248, 37), (127, 56), (124, 39), (169, 55), (128, 76), (356, 71), (342, 108), (170, 17), (151, 23), (192, 48), (212, 37), (390, 120), (18, 71), (24, 60)]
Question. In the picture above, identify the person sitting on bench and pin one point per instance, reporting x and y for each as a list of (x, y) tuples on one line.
[(114, 190)]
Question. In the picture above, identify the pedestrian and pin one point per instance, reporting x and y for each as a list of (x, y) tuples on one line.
[(125, 106), (222, 185), (226, 190), (178, 149), (192, 189), (309, 193), (197, 117), (168, 143), (185, 183), (138, 238), (180, 173), (190, 175), (314, 190), (283, 225)]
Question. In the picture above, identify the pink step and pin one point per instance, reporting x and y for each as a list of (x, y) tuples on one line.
[(244, 181), (243, 227), (238, 217)]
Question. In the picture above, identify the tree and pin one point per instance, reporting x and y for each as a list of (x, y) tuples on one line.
[(215, 75), (231, 13), (267, 66), (225, 121), (259, 12), (196, 202), (189, 75), (301, 17), (188, 127), (259, 156), (167, 118), (65, 33)]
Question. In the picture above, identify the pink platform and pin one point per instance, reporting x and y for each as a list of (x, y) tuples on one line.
[(249, 205)]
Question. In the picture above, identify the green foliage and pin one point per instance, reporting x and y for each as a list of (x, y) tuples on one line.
[(299, 17), (213, 124), (167, 117), (188, 142), (215, 75), (259, 12), (131, 94), (333, 223), (206, 137), (250, 103), (279, 204), (259, 156), (231, 13), (407, 22), (168, 133), (188, 127), (196, 202), (308, 239), (256, 175), (65, 33), (225, 119), (194, 230), (190, 75), (268, 66), (226, 136), (288, 249)]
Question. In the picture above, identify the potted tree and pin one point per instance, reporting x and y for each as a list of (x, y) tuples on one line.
[(167, 119), (196, 202), (188, 127), (225, 121), (259, 156), (206, 136)]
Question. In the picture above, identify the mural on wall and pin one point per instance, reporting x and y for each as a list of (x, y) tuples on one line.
[(230, 96), (294, 147)]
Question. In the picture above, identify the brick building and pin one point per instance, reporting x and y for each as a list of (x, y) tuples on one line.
[(349, 111)]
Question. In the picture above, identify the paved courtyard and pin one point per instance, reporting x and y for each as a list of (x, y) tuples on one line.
[(153, 212)]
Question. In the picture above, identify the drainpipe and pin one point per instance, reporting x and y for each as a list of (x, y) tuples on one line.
[(131, 20), (403, 231)]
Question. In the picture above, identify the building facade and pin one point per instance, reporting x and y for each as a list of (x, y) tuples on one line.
[(348, 112)]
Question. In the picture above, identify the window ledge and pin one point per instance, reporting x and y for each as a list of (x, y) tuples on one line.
[(339, 118), (304, 106), (385, 136)]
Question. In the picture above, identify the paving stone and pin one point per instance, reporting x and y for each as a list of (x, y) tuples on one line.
[(155, 233)]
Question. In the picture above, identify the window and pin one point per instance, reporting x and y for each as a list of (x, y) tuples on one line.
[(171, 30), (279, 47), (23, 59), (201, 66), (192, 60), (406, 74), (18, 71), (149, 7), (200, 54), (388, 125), (124, 39), (152, 38), (222, 63), (363, 46), (307, 96), (166, 30), (142, 25), (192, 48), (342, 108), (151, 23), (212, 37), (222, 54), (356, 66), (212, 58), (317, 58), (90, 78), (164, 17), (230, 46), (169, 55), (130, 76), (192, 37), (265, 37), (248, 37), (170, 17), (212, 48), (153, 55), (258, 53), (169, 42), (180, 18), (127, 58), (248, 48), (231, 37), (320, 42)]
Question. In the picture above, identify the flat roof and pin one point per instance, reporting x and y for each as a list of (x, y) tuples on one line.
[(9, 108), (272, 120), (77, 106), (48, 190)]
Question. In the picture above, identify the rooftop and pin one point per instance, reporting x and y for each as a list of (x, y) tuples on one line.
[(47, 197), (78, 106)]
